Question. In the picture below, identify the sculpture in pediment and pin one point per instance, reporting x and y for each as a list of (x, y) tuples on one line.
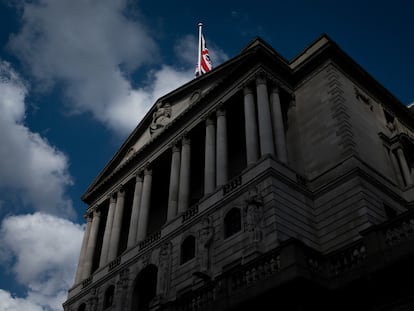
[(160, 118)]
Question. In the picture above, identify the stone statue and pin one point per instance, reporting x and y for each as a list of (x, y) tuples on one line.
[(254, 216), (160, 117), (164, 269), (206, 234)]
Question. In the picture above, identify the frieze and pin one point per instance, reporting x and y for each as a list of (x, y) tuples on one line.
[(232, 184), (114, 263), (189, 213), (148, 241)]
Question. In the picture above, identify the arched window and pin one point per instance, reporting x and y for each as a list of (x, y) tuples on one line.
[(188, 249), (145, 288), (232, 222), (82, 307), (109, 297)]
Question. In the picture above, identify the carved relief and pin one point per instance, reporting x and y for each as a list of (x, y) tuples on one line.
[(363, 98), (205, 237), (93, 300), (160, 118), (164, 269), (254, 216)]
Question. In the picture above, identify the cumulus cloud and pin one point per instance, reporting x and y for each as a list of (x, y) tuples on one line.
[(35, 171), (92, 48), (43, 251)]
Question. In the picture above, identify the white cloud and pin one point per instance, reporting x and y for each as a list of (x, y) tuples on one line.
[(91, 47), (43, 251), (10, 303), (35, 171)]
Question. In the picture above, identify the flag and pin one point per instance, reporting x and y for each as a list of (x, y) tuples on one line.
[(205, 58), (204, 62)]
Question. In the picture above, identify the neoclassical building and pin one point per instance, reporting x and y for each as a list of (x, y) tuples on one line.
[(266, 184)]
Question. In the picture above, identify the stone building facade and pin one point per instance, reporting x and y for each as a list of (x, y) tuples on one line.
[(263, 184)]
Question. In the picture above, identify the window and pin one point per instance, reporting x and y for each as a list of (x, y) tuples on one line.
[(109, 297), (188, 249), (232, 222), (82, 307)]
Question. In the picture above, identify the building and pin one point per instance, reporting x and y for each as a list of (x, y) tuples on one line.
[(266, 184)]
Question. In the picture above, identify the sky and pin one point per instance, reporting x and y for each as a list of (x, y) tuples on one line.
[(76, 77)]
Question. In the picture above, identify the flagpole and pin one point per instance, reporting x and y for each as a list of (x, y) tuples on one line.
[(200, 25)]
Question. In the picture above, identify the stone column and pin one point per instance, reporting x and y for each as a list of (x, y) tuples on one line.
[(278, 126), (404, 167), (265, 123), (117, 224), (184, 190), (145, 205), (250, 123), (108, 230), (90, 249), (174, 182), (221, 155), (132, 234), (82, 254), (210, 157)]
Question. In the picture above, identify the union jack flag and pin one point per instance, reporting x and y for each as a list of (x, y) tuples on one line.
[(205, 61)]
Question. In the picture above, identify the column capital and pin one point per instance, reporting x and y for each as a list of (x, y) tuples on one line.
[(209, 120), (261, 77), (95, 211), (275, 87), (185, 139), (221, 111), (138, 176), (148, 169), (88, 216), (174, 145), (112, 197), (247, 89), (120, 190)]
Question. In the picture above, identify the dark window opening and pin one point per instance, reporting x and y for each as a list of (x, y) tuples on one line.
[(101, 231), (188, 249), (232, 222), (161, 168), (236, 136), (129, 189), (145, 289), (109, 297), (197, 137), (82, 307)]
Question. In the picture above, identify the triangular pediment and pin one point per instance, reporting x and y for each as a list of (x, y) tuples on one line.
[(168, 109)]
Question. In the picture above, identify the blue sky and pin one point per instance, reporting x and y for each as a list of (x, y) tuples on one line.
[(76, 76)]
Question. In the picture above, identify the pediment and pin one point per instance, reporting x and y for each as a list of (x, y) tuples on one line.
[(164, 112), (225, 79)]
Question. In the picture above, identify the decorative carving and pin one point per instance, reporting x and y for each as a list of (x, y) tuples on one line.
[(189, 213), (363, 98), (160, 118), (195, 96), (123, 279), (146, 259), (164, 269), (254, 216), (93, 300), (205, 237)]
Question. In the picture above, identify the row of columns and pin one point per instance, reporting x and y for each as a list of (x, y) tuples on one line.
[(266, 132), (179, 190), (113, 226), (264, 135)]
